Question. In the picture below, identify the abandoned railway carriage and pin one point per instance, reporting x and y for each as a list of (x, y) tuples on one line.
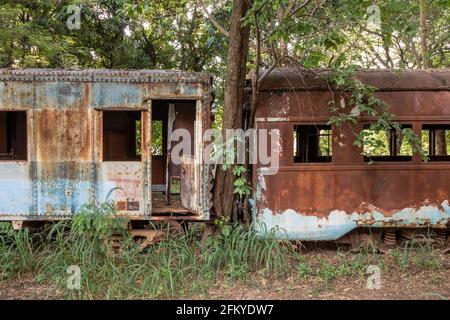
[(325, 187), (68, 138)]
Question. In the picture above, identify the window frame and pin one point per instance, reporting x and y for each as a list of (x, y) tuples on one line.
[(393, 140), (432, 127), (131, 156), (297, 158)]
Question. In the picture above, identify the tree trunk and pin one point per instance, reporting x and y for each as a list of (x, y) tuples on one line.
[(424, 35), (283, 44), (234, 98)]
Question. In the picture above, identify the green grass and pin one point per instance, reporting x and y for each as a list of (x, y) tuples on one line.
[(181, 266), (416, 255)]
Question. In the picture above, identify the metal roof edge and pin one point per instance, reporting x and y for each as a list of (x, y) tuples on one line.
[(104, 75)]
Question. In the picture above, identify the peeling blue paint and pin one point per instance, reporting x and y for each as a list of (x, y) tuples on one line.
[(59, 95), (116, 95), (296, 226), (53, 197), (17, 96)]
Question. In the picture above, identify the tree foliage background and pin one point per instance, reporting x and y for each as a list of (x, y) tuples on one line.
[(183, 34)]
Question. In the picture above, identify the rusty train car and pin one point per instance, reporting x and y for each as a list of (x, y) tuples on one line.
[(325, 188), (72, 137)]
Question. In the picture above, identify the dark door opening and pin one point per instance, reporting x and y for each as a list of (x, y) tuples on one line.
[(168, 116)]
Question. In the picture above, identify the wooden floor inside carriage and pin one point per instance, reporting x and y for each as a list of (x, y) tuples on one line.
[(160, 205)]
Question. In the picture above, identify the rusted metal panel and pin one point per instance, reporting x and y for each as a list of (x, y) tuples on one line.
[(385, 80), (187, 180), (62, 136), (16, 97), (16, 196), (324, 201), (310, 106), (65, 167), (122, 183)]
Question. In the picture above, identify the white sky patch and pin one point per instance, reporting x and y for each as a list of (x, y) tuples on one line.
[(189, 15), (209, 9), (94, 56), (175, 44), (102, 13), (127, 31)]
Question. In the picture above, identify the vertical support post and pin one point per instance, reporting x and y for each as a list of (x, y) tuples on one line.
[(93, 127), (417, 129), (170, 123), (33, 160), (97, 147), (432, 142), (146, 156), (198, 156)]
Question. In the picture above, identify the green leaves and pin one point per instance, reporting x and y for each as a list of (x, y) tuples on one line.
[(97, 221), (362, 102), (242, 186), (122, 34)]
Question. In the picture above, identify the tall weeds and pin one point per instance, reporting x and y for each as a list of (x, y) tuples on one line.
[(181, 265)]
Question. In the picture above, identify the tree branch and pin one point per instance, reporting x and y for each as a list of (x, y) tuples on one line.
[(214, 21)]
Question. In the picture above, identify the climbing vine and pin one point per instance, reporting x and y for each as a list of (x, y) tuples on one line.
[(226, 150), (363, 101)]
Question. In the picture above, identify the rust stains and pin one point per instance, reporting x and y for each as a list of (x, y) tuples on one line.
[(385, 80), (329, 194), (63, 136)]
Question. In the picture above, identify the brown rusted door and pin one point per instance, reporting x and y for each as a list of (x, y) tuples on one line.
[(188, 188)]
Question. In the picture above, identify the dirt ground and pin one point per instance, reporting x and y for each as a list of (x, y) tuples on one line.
[(421, 286), (411, 284), (416, 284)]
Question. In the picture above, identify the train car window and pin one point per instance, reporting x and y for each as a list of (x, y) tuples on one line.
[(389, 145), (122, 136), (13, 135), (312, 143), (436, 142)]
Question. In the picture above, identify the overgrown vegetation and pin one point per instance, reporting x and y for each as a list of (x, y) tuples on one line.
[(363, 102), (180, 266)]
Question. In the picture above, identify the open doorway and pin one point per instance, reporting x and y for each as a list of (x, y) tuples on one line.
[(167, 190)]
